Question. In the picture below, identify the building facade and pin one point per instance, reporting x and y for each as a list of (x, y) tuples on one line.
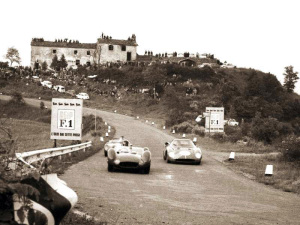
[(104, 51)]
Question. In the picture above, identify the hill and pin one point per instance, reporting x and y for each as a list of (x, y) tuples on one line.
[(176, 95)]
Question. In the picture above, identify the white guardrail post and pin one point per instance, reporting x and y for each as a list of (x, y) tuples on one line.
[(33, 156)]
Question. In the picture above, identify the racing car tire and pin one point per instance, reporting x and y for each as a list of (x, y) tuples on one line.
[(110, 168), (165, 155), (167, 158), (146, 170), (105, 153)]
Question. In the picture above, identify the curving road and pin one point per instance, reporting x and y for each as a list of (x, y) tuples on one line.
[(173, 193)]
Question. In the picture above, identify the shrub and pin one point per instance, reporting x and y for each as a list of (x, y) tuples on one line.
[(42, 105), (268, 129), (89, 123), (17, 98), (290, 148), (3, 82), (220, 137), (184, 127), (233, 134), (199, 130), (96, 133), (175, 117), (245, 129)]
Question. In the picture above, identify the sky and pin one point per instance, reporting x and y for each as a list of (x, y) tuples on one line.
[(259, 34)]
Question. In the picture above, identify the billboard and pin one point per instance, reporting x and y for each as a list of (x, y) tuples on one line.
[(66, 119), (214, 119)]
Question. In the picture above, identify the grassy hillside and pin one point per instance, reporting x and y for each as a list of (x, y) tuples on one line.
[(174, 96), (267, 114)]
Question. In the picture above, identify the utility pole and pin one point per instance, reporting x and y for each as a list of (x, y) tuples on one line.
[(209, 121), (95, 119)]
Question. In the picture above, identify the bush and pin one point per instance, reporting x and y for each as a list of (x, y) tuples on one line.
[(290, 148), (89, 124), (220, 137), (3, 82), (42, 105), (175, 117), (199, 130), (17, 98), (268, 129), (184, 127), (96, 133), (233, 134), (245, 129)]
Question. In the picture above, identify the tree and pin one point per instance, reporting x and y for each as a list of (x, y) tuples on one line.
[(154, 75), (44, 66), (268, 129), (54, 64), (62, 62), (13, 55), (290, 78)]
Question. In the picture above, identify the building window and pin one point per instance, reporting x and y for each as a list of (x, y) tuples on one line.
[(88, 63), (75, 52), (110, 47), (54, 51), (88, 52), (77, 62), (123, 47)]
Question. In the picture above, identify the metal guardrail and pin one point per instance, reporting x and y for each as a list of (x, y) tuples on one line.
[(33, 156)]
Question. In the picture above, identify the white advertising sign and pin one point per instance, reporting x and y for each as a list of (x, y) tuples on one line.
[(214, 119), (66, 119)]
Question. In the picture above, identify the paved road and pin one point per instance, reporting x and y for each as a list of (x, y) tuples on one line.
[(173, 193)]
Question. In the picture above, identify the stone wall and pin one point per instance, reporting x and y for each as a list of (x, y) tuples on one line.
[(41, 53), (116, 54)]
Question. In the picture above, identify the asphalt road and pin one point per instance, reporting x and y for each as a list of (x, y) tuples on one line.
[(172, 193)]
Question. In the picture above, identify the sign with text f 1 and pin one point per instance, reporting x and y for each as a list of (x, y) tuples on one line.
[(66, 119)]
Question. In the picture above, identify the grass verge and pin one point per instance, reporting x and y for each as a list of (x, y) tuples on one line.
[(286, 175)]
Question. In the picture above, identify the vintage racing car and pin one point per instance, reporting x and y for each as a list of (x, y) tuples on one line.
[(129, 157), (115, 142), (182, 150)]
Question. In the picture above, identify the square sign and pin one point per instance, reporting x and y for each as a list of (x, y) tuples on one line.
[(66, 119), (214, 119)]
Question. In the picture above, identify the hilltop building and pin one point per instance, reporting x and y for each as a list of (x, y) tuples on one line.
[(104, 51), (185, 61)]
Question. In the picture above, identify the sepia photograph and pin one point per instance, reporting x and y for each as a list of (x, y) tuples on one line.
[(149, 112)]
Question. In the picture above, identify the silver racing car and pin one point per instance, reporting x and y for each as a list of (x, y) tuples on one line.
[(182, 150), (115, 142), (129, 157)]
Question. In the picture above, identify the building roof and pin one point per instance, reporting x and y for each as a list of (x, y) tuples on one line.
[(187, 59), (63, 44), (117, 42)]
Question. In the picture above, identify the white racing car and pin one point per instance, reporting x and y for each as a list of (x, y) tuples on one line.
[(115, 142), (129, 157), (182, 150)]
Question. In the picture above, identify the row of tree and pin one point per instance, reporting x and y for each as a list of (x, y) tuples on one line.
[(58, 64)]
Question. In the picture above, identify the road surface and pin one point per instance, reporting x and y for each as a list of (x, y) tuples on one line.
[(173, 193)]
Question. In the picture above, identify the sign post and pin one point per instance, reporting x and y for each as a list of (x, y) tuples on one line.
[(66, 119)]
